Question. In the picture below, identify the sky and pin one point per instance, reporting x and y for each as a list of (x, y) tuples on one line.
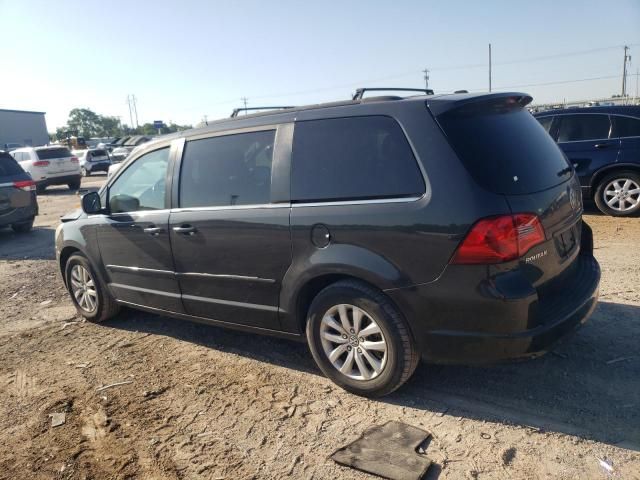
[(190, 58)]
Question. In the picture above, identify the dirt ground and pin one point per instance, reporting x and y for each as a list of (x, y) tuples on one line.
[(201, 402)]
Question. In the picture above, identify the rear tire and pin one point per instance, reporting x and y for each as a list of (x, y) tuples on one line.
[(84, 172), (376, 355), (88, 293), (23, 227), (74, 185), (618, 194)]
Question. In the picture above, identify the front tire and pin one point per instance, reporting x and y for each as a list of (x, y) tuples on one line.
[(88, 294), (74, 184), (359, 339), (618, 194), (84, 172)]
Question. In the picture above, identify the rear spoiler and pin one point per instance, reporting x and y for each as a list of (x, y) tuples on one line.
[(472, 102)]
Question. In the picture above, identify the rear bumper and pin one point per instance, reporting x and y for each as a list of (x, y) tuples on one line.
[(458, 320), (19, 215), (562, 316), (97, 167), (62, 179)]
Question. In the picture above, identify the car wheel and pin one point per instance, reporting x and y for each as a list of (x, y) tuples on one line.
[(74, 185), (89, 295), (84, 172), (360, 340), (618, 194), (23, 227)]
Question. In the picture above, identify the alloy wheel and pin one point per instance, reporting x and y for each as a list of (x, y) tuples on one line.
[(622, 194), (84, 289), (353, 342)]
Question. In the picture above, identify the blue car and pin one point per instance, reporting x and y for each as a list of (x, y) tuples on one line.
[(603, 145)]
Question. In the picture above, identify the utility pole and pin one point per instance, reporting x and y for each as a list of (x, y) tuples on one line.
[(426, 78), (244, 101), (489, 67), (206, 121), (135, 109), (130, 113), (627, 58)]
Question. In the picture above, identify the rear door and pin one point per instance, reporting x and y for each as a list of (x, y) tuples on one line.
[(584, 138), (230, 233), (627, 129), (508, 152)]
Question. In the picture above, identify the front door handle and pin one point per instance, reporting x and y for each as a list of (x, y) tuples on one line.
[(185, 229), (152, 230), (602, 145)]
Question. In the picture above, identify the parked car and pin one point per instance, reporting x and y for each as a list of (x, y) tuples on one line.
[(118, 154), (377, 230), (603, 145), (49, 166), (93, 160), (9, 147), (18, 202)]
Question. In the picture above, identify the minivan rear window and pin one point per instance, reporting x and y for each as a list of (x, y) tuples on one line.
[(354, 158), (505, 149), (50, 153), (8, 166), (98, 153)]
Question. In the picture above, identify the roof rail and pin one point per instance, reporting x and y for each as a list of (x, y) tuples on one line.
[(235, 112), (360, 91)]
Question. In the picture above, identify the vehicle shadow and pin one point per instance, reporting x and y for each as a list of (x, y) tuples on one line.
[(589, 386), (38, 244)]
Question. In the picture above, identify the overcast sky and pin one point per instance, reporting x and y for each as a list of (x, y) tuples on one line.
[(189, 58)]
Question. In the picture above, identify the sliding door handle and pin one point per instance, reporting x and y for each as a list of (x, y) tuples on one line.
[(152, 230), (185, 229)]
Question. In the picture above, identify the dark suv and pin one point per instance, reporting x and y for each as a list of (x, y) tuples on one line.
[(18, 202), (603, 144), (378, 230)]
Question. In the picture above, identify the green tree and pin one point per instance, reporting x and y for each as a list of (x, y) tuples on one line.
[(85, 122)]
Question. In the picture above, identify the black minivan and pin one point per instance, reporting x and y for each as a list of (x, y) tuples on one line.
[(379, 230)]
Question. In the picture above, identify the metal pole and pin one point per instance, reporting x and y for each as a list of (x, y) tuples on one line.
[(624, 72), (135, 109), (489, 67), (426, 78), (130, 114)]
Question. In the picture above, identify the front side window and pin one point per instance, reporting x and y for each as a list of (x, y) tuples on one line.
[(625, 127), (355, 158), (142, 185), (227, 170), (583, 127)]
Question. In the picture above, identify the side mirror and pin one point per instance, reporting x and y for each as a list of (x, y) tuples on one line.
[(123, 203), (91, 203)]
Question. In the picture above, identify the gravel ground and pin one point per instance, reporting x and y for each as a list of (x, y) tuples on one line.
[(201, 402)]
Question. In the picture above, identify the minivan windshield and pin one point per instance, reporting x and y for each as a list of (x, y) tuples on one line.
[(505, 149)]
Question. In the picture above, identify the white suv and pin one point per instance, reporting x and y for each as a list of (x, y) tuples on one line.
[(53, 165)]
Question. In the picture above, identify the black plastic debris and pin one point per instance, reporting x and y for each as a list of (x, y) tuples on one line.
[(389, 451)]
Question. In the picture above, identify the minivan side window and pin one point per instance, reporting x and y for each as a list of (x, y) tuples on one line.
[(625, 127), (583, 127), (545, 122), (142, 185), (353, 158), (227, 170)]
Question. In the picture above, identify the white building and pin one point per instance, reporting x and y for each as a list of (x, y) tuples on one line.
[(23, 127)]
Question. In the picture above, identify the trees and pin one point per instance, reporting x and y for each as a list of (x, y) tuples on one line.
[(86, 123)]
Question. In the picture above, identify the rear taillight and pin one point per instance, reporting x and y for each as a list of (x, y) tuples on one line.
[(500, 239), (26, 185), (74, 160), (41, 163)]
